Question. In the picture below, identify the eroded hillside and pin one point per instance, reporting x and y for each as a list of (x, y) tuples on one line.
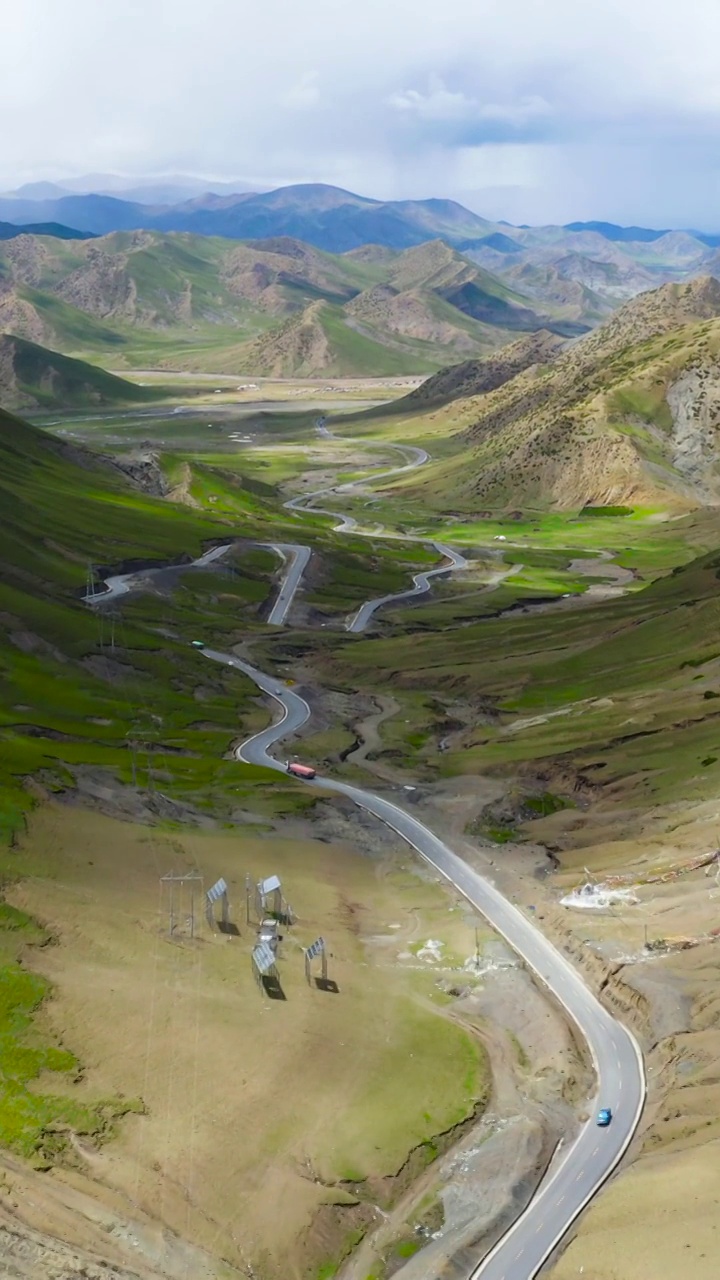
[(628, 415), (140, 296)]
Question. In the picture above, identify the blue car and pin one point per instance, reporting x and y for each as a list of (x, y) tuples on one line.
[(604, 1117)]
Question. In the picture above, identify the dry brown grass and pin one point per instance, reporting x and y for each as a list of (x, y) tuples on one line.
[(251, 1103), (660, 1218), (625, 416), (660, 1221)]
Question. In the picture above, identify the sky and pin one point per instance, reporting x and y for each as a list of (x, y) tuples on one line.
[(533, 111)]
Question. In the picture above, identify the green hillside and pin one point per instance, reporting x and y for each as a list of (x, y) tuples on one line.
[(31, 376), (63, 705), (622, 693), (320, 341), (194, 302)]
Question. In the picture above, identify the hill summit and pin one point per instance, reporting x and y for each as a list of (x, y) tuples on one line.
[(248, 308)]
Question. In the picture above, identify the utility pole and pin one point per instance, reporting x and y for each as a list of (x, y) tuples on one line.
[(182, 881), (132, 747)]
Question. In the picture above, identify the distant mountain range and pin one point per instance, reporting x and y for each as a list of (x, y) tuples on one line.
[(157, 189), (327, 217), (641, 235), (274, 306), (578, 273), (9, 231)]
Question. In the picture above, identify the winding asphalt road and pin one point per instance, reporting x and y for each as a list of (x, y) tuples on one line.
[(578, 1171), (119, 584), (296, 557), (421, 584), (415, 457), (575, 1177)]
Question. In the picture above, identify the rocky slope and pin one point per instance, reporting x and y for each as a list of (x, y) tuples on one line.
[(250, 308), (477, 377), (628, 415)]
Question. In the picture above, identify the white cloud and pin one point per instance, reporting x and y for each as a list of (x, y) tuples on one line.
[(438, 103), (386, 97), (521, 112), (441, 103), (304, 93)]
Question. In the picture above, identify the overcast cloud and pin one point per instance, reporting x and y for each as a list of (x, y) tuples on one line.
[(529, 110)]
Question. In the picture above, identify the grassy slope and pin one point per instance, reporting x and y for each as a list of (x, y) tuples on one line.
[(374, 354), (56, 518), (32, 1123), (195, 302), (67, 704), (383, 1093), (43, 378), (650, 658), (72, 329)]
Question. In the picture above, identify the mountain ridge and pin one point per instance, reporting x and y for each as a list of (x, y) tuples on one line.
[(181, 296), (477, 377), (317, 213), (9, 231), (335, 220), (629, 414)]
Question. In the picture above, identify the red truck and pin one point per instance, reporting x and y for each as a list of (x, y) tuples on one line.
[(300, 770)]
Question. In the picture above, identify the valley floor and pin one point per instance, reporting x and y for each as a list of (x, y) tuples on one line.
[(436, 1078)]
